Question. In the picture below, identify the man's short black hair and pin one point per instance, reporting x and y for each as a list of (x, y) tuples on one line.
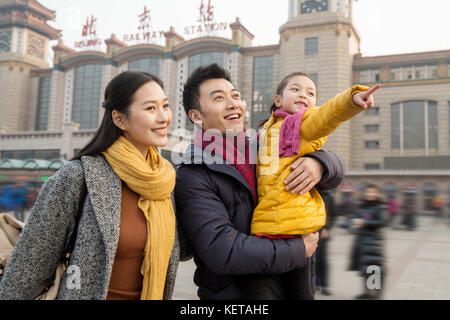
[(191, 93)]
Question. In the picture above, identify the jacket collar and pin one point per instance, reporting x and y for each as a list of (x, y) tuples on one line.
[(195, 155), (104, 188)]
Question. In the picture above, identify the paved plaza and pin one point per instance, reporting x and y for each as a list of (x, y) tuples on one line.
[(418, 265)]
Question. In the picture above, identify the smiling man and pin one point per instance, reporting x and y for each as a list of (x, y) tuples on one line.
[(215, 199), (222, 106)]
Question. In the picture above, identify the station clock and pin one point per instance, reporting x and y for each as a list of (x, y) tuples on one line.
[(308, 6)]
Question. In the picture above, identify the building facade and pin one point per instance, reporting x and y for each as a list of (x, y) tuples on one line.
[(50, 112)]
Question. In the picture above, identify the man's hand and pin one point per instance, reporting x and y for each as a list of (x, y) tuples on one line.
[(306, 173), (310, 241), (364, 99)]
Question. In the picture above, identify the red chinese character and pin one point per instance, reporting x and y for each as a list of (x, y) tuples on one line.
[(201, 12), (144, 19), (209, 15), (89, 28), (209, 12)]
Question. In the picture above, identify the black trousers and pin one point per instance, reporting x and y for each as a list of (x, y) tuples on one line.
[(322, 264), (292, 285)]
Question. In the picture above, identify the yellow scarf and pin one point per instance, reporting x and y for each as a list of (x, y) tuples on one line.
[(154, 180)]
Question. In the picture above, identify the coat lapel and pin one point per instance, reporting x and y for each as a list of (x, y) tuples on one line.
[(104, 189)]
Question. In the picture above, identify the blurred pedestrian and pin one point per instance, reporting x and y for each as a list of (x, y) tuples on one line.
[(437, 206), (6, 198), (347, 209), (321, 255), (125, 238), (368, 247), (409, 211), (393, 209), (448, 211), (12, 199)]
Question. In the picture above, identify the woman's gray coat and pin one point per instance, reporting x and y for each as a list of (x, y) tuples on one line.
[(51, 224)]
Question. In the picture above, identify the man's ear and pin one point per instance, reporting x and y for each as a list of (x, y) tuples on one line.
[(277, 101), (195, 115), (119, 120)]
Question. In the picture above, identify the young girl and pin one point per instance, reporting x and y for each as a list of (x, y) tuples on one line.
[(297, 127)]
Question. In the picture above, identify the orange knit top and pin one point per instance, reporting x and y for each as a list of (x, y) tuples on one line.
[(126, 278)]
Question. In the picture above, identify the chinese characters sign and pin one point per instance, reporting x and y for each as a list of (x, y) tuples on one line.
[(205, 25), (144, 20), (89, 34), (145, 32), (206, 15), (206, 22), (89, 27)]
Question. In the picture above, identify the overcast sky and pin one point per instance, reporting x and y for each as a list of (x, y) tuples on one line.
[(385, 26)]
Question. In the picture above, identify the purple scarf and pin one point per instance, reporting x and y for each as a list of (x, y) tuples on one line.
[(289, 143)]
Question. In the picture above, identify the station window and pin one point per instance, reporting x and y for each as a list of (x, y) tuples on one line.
[(372, 166), (369, 128), (373, 144), (311, 46)]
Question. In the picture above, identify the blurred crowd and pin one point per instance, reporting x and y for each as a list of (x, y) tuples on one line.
[(365, 215)]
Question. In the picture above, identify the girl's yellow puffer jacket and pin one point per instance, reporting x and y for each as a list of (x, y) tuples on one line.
[(278, 211)]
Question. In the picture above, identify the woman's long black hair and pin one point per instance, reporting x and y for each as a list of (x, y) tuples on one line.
[(119, 95)]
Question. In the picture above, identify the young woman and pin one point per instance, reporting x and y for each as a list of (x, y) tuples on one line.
[(126, 245)]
